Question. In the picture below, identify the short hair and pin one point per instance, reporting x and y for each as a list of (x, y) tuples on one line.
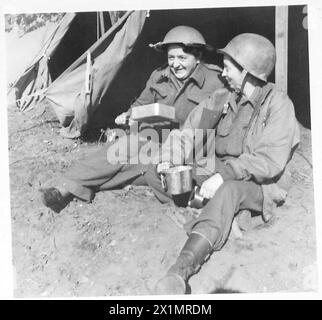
[(196, 50)]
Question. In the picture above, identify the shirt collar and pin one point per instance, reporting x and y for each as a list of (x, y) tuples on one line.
[(198, 75), (258, 96), (260, 93), (254, 98)]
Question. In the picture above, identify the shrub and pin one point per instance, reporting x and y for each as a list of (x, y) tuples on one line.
[(25, 23)]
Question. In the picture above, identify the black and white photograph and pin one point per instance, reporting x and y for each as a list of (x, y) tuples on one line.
[(161, 150)]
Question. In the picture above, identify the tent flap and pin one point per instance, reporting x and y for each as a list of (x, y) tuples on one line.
[(30, 88), (67, 94), (36, 76)]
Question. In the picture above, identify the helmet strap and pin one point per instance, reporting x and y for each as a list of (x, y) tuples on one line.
[(244, 75)]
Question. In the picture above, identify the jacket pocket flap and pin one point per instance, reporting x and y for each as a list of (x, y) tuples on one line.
[(224, 127), (162, 92), (207, 119)]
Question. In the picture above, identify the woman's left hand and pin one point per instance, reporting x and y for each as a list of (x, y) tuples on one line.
[(211, 185)]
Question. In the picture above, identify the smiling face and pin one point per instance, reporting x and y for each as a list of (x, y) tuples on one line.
[(182, 64), (233, 74)]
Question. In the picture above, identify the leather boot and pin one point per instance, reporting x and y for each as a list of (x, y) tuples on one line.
[(53, 199), (195, 251)]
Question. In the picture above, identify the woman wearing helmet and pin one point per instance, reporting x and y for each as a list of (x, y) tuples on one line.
[(185, 80), (256, 134), (182, 83)]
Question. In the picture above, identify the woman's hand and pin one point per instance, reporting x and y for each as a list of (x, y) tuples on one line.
[(161, 169), (123, 118), (210, 186), (163, 166)]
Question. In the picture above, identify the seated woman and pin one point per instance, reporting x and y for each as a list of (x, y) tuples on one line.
[(256, 135), (182, 83)]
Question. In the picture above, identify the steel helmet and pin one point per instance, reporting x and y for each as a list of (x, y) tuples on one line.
[(183, 35), (253, 52)]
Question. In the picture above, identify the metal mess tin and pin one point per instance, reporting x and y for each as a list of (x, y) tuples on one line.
[(153, 112)]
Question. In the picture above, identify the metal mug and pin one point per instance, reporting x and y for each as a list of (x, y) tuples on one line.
[(177, 180)]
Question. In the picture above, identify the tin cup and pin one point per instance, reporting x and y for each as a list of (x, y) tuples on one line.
[(178, 180)]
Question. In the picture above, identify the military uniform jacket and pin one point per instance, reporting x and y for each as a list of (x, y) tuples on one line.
[(265, 144), (164, 88)]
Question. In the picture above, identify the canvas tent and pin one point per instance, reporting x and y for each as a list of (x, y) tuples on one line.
[(75, 93), (95, 80)]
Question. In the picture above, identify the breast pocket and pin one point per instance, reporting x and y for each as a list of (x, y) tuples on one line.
[(224, 126), (207, 119), (197, 96), (160, 94)]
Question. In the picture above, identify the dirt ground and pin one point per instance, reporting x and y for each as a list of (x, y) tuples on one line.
[(124, 241)]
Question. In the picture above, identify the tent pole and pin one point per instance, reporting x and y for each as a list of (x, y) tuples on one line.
[(281, 39), (97, 26), (102, 23)]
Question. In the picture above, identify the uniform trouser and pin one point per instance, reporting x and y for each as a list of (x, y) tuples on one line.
[(216, 217), (95, 174)]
